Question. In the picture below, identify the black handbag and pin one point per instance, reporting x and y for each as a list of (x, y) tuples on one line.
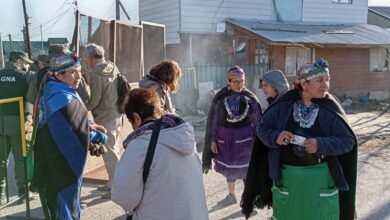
[(149, 154)]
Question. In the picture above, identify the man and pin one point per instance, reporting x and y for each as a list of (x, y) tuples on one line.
[(14, 82), (41, 61), (104, 95)]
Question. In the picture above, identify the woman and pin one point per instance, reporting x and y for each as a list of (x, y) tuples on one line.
[(312, 150), (274, 84), (174, 187), (230, 129), (62, 140), (164, 79)]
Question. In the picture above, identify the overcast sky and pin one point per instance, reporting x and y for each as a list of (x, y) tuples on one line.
[(57, 16)]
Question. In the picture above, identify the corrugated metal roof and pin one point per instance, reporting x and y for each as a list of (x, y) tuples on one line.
[(310, 33), (58, 40), (36, 47), (384, 11)]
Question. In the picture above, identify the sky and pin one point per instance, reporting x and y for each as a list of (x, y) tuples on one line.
[(57, 16)]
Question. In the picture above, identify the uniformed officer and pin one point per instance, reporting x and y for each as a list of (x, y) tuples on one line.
[(14, 82)]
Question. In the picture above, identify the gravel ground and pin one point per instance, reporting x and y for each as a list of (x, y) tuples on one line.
[(373, 192)]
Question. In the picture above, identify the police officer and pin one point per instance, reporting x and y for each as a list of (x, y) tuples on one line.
[(14, 82)]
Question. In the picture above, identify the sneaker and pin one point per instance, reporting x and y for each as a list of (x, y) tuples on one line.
[(104, 188), (106, 195), (228, 200), (83, 205)]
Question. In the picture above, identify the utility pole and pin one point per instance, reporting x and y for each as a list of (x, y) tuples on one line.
[(10, 38), (117, 11), (26, 32), (1, 53), (119, 5), (41, 39)]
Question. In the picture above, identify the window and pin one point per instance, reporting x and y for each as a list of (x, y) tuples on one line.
[(261, 53), (379, 59), (295, 58), (342, 1)]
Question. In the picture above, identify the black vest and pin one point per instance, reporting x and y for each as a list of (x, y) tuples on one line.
[(12, 84)]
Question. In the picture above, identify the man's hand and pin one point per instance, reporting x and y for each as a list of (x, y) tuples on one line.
[(95, 127)]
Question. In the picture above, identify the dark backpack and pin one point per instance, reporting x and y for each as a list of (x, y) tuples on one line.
[(123, 90)]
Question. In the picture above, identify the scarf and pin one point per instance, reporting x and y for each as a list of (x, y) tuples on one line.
[(56, 95), (168, 121)]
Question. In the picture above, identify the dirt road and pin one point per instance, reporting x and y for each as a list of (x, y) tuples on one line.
[(373, 191)]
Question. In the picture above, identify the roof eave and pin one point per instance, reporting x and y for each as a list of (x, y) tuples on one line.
[(378, 13)]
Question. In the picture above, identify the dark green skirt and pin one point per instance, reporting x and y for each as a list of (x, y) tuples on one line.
[(306, 193)]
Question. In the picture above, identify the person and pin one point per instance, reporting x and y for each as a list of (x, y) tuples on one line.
[(62, 140), (312, 154), (274, 84), (43, 61), (230, 129), (104, 95), (174, 188), (164, 79), (14, 82)]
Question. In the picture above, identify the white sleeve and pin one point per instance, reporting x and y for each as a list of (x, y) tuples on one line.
[(127, 187)]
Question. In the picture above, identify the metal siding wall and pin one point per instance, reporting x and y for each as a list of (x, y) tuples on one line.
[(326, 11), (186, 98), (198, 15), (163, 12)]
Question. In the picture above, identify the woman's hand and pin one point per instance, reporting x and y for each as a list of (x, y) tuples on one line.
[(284, 138), (311, 145), (95, 127), (214, 147)]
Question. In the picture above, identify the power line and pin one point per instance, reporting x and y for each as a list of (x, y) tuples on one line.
[(216, 12), (59, 18)]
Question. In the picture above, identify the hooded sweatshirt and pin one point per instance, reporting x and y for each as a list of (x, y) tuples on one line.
[(174, 188), (104, 93), (151, 82), (277, 80)]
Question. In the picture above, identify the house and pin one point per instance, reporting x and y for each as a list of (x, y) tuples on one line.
[(37, 47), (357, 53), (379, 16), (287, 33)]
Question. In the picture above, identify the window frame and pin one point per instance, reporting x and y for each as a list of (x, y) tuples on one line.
[(297, 61), (381, 65), (339, 2)]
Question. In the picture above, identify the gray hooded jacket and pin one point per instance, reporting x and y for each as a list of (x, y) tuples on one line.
[(277, 79)]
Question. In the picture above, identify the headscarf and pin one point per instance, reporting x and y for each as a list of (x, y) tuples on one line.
[(64, 62), (234, 72), (313, 70)]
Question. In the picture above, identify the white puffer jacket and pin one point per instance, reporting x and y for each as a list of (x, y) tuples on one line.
[(174, 188)]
